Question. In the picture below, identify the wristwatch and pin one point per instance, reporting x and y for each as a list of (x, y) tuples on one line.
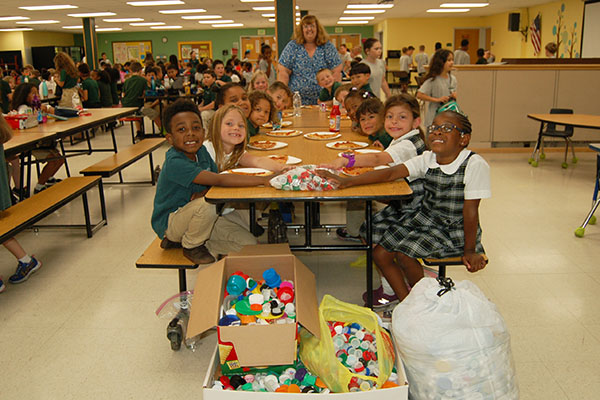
[(350, 157)]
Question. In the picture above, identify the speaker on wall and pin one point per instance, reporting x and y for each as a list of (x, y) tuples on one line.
[(514, 21)]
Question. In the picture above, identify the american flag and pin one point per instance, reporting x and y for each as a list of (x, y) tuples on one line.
[(536, 40)]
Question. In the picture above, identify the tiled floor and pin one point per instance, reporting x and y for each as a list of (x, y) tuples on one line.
[(84, 325)]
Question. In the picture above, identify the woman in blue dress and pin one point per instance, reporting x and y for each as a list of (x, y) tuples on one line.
[(307, 53)]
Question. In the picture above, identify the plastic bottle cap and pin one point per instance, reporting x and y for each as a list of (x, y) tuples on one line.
[(249, 378), (293, 388), (256, 299), (290, 309), (285, 294), (272, 278), (236, 285), (289, 284), (365, 386)]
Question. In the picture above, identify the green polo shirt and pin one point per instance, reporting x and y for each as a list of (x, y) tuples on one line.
[(134, 89), (106, 99), (252, 130), (69, 81), (176, 186), (225, 78), (367, 88), (91, 86), (326, 95), (209, 95), (384, 138)]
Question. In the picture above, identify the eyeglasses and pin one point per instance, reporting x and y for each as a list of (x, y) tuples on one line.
[(444, 128)]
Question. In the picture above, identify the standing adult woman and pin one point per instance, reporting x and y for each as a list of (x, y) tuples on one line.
[(67, 79), (307, 53)]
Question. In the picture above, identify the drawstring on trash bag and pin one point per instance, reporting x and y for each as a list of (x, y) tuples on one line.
[(447, 285)]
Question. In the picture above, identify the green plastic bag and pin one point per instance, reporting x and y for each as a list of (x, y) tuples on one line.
[(319, 355)]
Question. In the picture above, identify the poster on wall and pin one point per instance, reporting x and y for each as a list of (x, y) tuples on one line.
[(131, 51), (202, 49)]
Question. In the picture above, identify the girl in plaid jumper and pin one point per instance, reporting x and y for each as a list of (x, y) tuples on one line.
[(447, 223)]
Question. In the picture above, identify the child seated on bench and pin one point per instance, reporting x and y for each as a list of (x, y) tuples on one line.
[(181, 215), (27, 264)]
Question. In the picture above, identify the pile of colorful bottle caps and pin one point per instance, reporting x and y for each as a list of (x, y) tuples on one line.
[(248, 301), (291, 380), (301, 178), (356, 348)]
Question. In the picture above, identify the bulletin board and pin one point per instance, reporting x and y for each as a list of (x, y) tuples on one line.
[(130, 51), (202, 49), (349, 39), (253, 44)]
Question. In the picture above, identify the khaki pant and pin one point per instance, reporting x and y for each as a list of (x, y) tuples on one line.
[(197, 223), (66, 100), (355, 216)]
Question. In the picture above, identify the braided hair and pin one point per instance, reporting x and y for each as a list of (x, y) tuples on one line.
[(462, 120)]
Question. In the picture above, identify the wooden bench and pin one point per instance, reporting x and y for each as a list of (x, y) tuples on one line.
[(29, 211), (118, 161), (442, 263), (156, 257)]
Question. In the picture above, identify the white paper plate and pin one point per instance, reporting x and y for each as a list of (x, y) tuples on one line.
[(249, 171), (291, 160), (376, 168), (362, 151), (283, 123), (326, 135), (359, 145), (278, 145), (283, 133)]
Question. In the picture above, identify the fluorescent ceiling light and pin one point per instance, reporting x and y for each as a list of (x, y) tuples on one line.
[(15, 29), (41, 22), (188, 11), (448, 10), (216, 21), (201, 17), (352, 22), (356, 18), (147, 23), (227, 25), (167, 27), (363, 11), (13, 18), (270, 8), (257, 1), (271, 19), (108, 29), (155, 3), (368, 6), (268, 15), (44, 8), (123, 19), (464, 5), (73, 27), (92, 15)]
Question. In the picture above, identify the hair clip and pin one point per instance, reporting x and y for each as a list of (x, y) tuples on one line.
[(367, 95)]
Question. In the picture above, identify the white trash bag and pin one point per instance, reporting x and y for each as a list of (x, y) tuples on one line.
[(454, 345)]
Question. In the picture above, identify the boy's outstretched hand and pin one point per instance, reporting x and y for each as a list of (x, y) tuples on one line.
[(474, 261)]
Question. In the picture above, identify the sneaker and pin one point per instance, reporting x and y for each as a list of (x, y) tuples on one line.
[(380, 299), (17, 192), (36, 190), (25, 270), (52, 181), (199, 255), (2, 285), (167, 244), (342, 233)]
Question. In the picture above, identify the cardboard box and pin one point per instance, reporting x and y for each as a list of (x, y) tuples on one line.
[(255, 345), (208, 393)]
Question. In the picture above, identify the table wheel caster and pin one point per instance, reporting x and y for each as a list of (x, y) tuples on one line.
[(564, 165), (579, 232), (175, 334)]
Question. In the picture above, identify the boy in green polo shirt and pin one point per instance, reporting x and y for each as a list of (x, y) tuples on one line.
[(219, 69), (89, 91), (359, 76), (210, 88), (329, 84), (181, 216), (134, 89)]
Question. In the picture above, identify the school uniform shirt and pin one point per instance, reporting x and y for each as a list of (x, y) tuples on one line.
[(5, 200), (106, 99), (134, 89), (461, 57), (422, 59), (377, 74), (4, 92), (93, 91), (327, 95), (436, 87), (35, 81), (176, 186), (403, 148), (225, 78), (384, 138), (405, 61), (264, 67), (69, 81), (367, 88), (252, 130), (209, 94)]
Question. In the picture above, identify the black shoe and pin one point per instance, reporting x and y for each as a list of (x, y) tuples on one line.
[(36, 190), (199, 255), (277, 228), (17, 192), (167, 244), (139, 135), (52, 181), (342, 233), (258, 230)]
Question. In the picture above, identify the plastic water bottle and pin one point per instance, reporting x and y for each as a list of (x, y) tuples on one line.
[(153, 84), (277, 123), (297, 100)]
